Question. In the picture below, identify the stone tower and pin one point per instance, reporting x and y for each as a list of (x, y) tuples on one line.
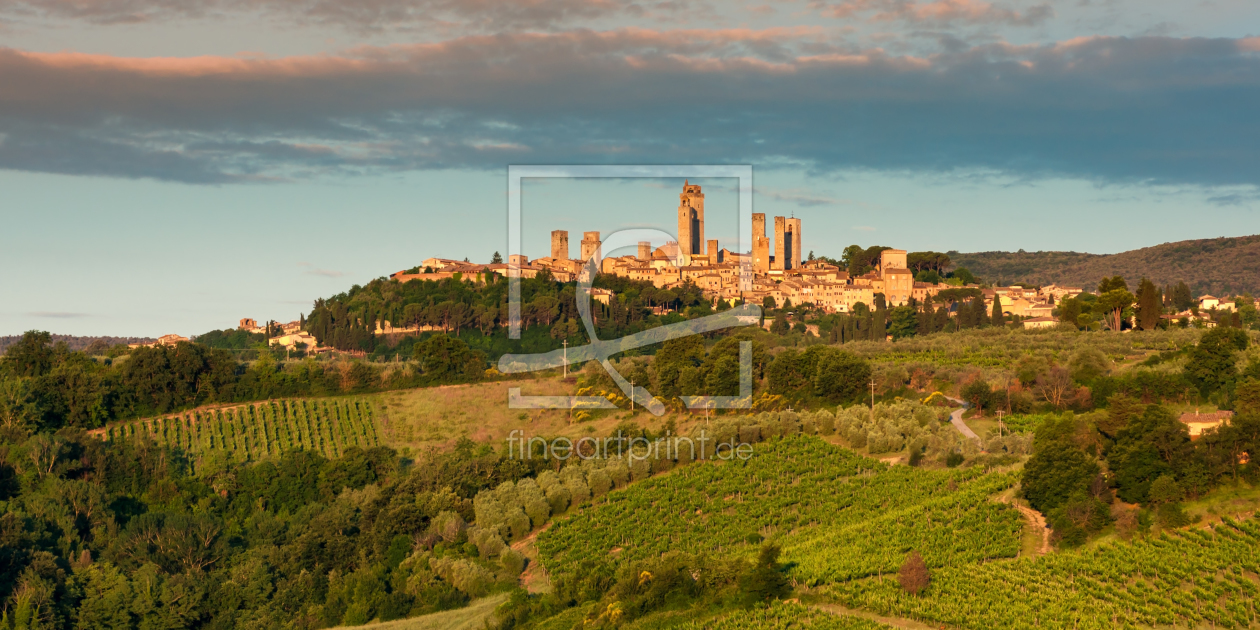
[(713, 251), (590, 245), (892, 259), (560, 244), (645, 251), (795, 256), (760, 244), (691, 220), (787, 243)]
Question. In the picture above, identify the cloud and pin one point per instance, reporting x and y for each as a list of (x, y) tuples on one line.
[(801, 198), (450, 16), (325, 273), (936, 12), (56, 315), (1148, 109)]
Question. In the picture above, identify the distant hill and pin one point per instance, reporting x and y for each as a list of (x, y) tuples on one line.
[(78, 343), (1217, 266)]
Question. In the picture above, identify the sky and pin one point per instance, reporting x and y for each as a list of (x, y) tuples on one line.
[(171, 166)]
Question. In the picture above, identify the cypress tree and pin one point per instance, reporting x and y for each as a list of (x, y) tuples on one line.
[(1149, 307), (998, 318)]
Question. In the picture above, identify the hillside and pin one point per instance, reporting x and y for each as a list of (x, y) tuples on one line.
[(1217, 266), (97, 344)]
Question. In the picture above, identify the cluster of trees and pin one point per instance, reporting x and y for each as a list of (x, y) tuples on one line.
[(927, 266), (1140, 454), (1114, 307), (479, 312), (45, 386), (122, 535)]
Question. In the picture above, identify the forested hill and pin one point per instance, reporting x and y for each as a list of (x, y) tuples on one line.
[(77, 344), (1217, 266)]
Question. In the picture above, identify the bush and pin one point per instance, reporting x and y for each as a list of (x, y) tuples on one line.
[(914, 576), (954, 459)]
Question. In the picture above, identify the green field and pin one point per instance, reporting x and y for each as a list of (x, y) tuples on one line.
[(1190, 578), (260, 430), (838, 516)]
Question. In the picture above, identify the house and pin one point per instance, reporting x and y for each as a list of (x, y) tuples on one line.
[(1208, 302), (603, 296), (291, 340), (164, 340), (1200, 422), (1041, 322)]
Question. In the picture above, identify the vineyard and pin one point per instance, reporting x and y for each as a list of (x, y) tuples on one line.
[(783, 616), (838, 516), (1190, 578), (260, 430)]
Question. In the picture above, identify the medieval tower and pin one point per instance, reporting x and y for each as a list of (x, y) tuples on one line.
[(691, 221), (787, 243), (760, 244), (560, 244), (590, 245)]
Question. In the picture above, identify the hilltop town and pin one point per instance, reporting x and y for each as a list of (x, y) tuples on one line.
[(779, 273)]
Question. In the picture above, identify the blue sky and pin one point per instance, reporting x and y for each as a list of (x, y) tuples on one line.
[(173, 166)]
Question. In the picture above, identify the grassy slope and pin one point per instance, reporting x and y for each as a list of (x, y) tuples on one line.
[(1216, 266), (471, 617)]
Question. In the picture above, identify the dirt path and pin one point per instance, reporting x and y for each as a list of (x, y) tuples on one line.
[(534, 579), (956, 419), (895, 622), (1037, 522)]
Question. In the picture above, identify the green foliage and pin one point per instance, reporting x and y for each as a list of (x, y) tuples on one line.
[(1208, 265), (1189, 578), (1213, 362), (837, 516), (783, 616), (122, 534), (824, 372), (260, 431), (446, 359)]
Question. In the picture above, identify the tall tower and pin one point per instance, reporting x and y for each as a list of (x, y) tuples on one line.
[(794, 253), (590, 245), (560, 244), (787, 243), (691, 220), (780, 256), (713, 251), (760, 244), (645, 250)]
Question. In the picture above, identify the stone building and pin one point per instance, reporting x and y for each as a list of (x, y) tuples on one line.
[(691, 220), (590, 245), (560, 244)]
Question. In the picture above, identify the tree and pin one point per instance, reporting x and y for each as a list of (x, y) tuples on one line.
[(905, 322), (1056, 469), (768, 303), (1182, 299), (914, 576), (964, 275), (497, 259), (1213, 362), (1150, 305), (998, 318), (780, 325), (978, 393), (32, 355), (1113, 283), (765, 581), (1112, 304), (1165, 490), (1069, 311), (1055, 386), (840, 376)]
